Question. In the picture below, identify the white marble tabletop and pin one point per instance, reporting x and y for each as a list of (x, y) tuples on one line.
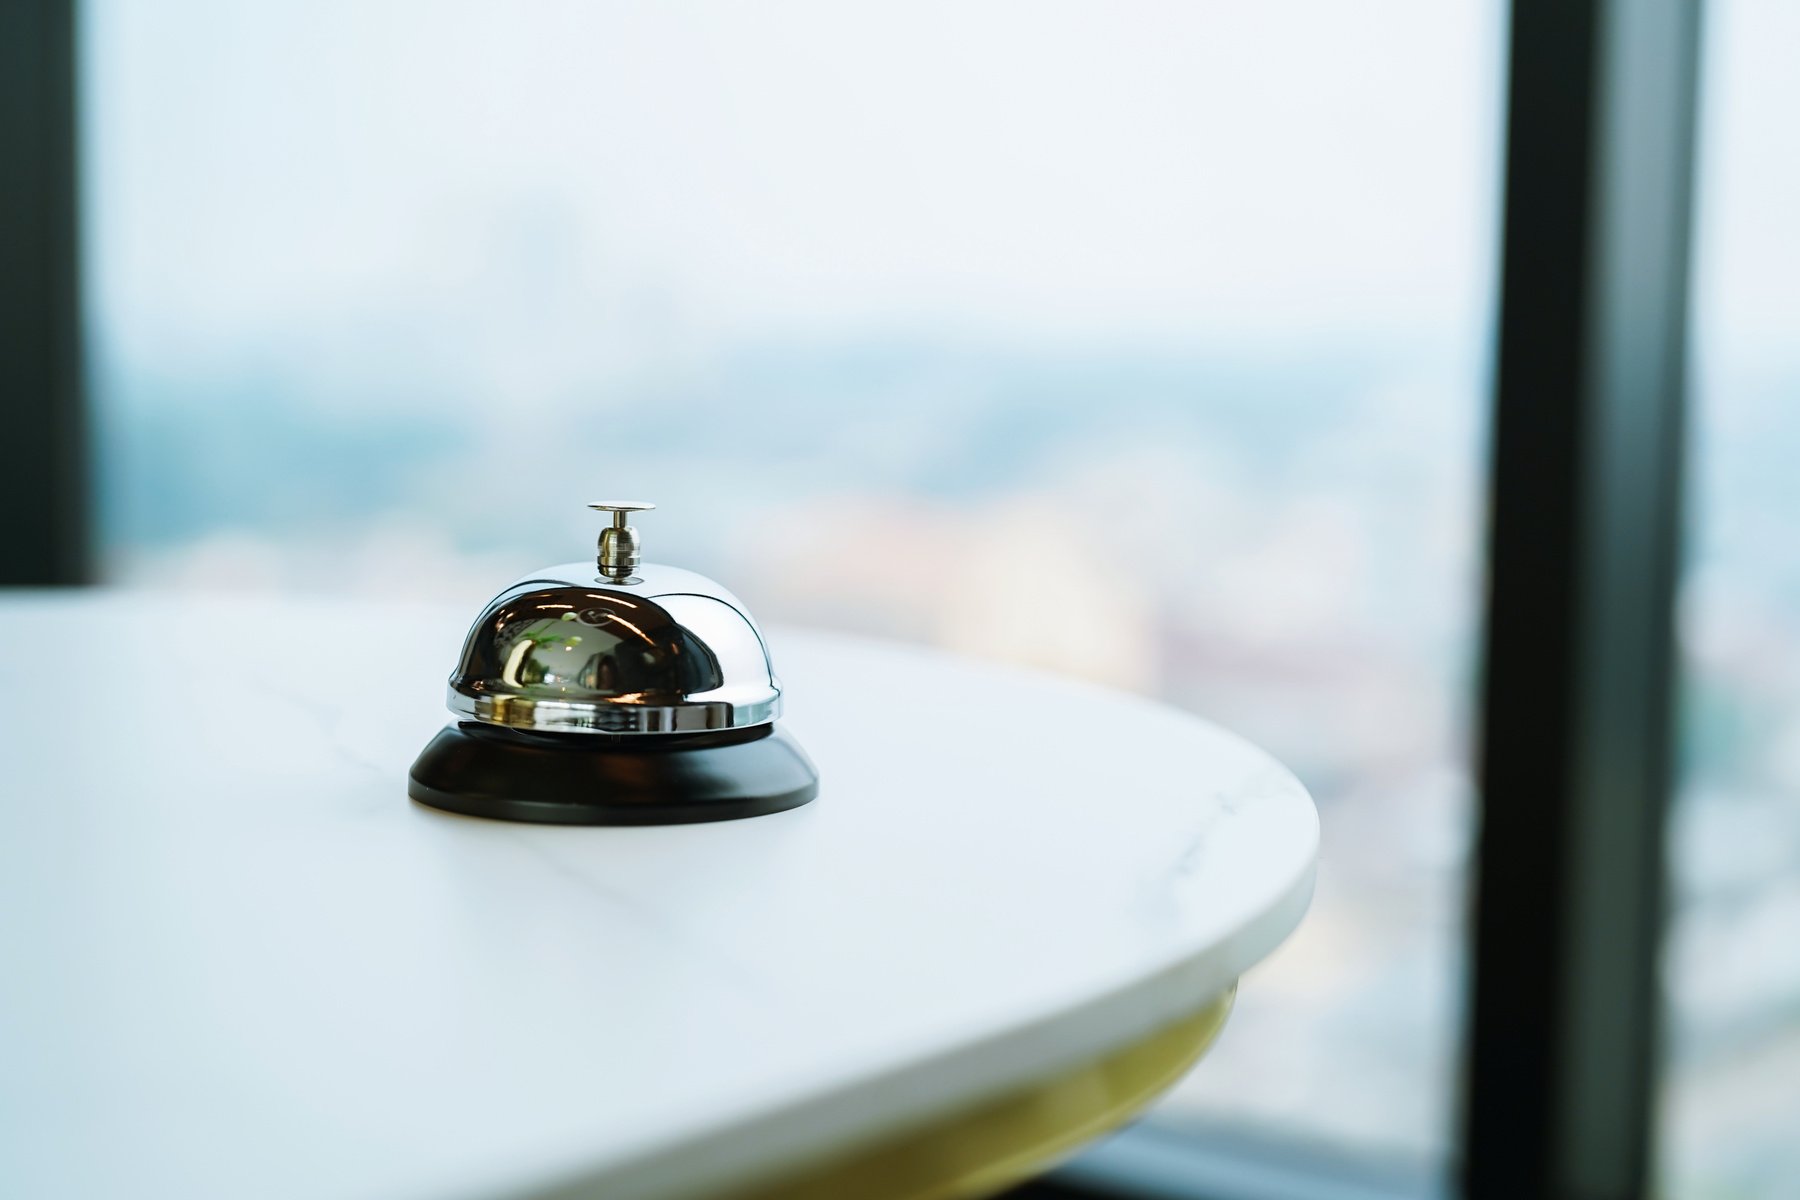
[(238, 961)]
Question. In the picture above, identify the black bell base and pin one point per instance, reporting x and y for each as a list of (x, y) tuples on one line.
[(584, 779)]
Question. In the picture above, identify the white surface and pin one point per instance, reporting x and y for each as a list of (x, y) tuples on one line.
[(239, 962)]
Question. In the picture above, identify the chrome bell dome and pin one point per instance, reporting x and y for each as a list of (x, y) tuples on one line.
[(615, 647)]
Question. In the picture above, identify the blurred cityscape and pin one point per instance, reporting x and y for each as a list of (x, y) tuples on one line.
[(971, 366)]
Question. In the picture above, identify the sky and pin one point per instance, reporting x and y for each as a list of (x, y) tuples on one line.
[(1102, 174)]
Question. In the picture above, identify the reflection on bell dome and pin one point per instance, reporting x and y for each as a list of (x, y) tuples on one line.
[(663, 651)]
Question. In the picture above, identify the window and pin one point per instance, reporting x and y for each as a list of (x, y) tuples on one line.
[(929, 321), (1731, 1105)]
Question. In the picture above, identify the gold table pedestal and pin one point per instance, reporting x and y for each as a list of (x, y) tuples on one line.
[(986, 1148)]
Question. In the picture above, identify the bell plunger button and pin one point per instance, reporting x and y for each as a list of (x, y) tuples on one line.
[(617, 555)]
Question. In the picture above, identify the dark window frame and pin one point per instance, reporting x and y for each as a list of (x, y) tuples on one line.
[(1584, 510), (1583, 562), (45, 526)]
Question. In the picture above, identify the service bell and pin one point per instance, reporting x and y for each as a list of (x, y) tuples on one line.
[(614, 693)]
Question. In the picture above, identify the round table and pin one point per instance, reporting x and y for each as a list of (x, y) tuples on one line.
[(239, 961)]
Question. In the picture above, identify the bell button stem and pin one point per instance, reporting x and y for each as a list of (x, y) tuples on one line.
[(618, 555)]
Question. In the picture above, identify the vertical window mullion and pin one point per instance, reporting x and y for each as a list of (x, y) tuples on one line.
[(1585, 508), (44, 534)]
